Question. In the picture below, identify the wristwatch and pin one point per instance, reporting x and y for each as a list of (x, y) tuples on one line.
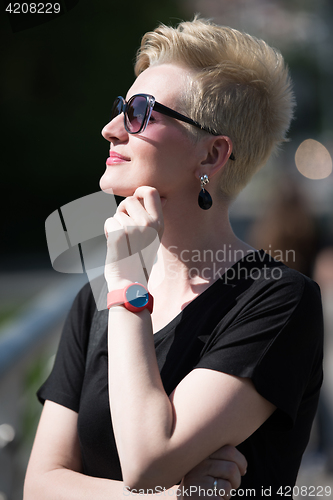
[(135, 297)]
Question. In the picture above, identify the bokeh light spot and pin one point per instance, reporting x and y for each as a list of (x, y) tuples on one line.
[(313, 160)]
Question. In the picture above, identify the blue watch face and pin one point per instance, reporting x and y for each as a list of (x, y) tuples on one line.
[(137, 296)]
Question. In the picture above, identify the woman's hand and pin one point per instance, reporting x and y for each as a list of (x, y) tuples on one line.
[(226, 466), (133, 237)]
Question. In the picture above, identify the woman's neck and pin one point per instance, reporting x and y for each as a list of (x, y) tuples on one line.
[(196, 248)]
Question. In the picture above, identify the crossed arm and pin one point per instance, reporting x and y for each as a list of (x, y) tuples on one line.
[(54, 471), (173, 438), (206, 409), (160, 439)]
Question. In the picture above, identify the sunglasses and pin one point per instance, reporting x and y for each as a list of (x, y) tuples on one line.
[(137, 112)]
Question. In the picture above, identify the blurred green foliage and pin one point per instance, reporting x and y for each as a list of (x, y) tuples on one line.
[(8, 312)]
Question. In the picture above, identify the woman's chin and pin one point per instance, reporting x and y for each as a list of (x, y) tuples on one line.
[(115, 190), (118, 190), (105, 186)]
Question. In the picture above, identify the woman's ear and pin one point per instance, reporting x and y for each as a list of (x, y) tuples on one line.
[(218, 150)]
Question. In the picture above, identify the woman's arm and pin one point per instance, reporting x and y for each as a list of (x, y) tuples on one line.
[(160, 439), (55, 463), (54, 468)]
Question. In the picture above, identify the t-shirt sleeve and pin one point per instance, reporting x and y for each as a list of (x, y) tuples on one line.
[(64, 384), (276, 341)]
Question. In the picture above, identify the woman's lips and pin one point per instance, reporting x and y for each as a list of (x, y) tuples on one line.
[(115, 158)]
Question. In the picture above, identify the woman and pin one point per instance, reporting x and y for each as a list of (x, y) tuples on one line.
[(235, 358)]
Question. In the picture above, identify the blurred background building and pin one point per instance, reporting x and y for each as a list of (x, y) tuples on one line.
[(59, 79)]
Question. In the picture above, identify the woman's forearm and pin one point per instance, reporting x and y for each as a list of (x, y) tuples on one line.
[(142, 413), (65, 484)]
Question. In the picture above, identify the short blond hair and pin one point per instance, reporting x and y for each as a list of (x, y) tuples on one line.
[(240, 88)]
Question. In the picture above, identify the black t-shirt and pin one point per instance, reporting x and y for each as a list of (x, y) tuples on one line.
[(260, 320)]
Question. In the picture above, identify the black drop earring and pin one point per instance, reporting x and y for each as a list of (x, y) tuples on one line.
[(205, 200)]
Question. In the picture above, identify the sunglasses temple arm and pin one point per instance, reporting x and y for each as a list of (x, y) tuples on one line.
[(160, 108)]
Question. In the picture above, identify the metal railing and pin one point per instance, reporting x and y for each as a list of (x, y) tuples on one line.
[(33, 333)]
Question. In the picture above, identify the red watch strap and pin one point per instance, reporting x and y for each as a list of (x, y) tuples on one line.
[(118, 297), (150, 304)]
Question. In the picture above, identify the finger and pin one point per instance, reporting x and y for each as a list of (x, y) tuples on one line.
[(226, 470), (140, 237), (124, 219), (230, 453), (111, 224), (223, 488), (136, 213), (131, 204), (134, 209), (151, 200)]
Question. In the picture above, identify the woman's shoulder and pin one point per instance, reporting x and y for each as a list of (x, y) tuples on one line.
[(264, 282), (90, 298), (267, 271)]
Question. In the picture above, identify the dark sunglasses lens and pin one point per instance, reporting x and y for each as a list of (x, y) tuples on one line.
[(136, 114), (116, 108)]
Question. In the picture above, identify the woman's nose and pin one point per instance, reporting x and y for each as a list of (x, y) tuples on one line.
[(114, 131)]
